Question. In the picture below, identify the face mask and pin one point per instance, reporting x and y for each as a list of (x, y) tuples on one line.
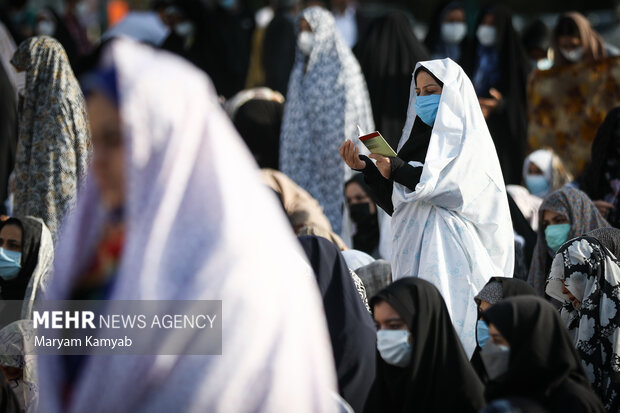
[(495, 359), (360, 212), (305, 41), (482, 333), (544, 64), (486, 35), (46, 28), (537, 185), (184, 29), (394, 347), (227, 4), (556, 235), (10, 264), (574, 55), (426, 108), (453, 32)]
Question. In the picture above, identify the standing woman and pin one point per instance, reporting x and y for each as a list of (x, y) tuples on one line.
[(327, 98), (498, 67), (450, 218), (53, 141)]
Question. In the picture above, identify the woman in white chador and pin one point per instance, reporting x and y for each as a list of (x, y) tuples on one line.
[(445, 191)]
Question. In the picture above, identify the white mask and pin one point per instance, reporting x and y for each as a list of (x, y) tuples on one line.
[(574, 55), (453, 32), (544, 64), (394, 347), (487, 35), (305, 42), (496, 359), (184, 29), (46, 28)]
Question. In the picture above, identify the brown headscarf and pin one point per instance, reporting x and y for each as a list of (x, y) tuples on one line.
[(593, 46)]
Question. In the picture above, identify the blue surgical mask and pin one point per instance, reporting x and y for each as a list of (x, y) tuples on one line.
[(10, 264), (394, 347), (426, 108), (537, 185), (482, 333), (556, 235), (227, 4)]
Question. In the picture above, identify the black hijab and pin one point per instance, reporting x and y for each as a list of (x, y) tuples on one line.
[(258, 122), (351, 328), (388, 56), (279, 48), (605, 160), (433, 41), (609, 237), (508, 123), (523, 228), (8, 134), (15, 289), (368, 234), (439, 377), (544, 365)]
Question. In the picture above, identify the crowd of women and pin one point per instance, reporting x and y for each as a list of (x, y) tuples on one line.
[(461, 274)]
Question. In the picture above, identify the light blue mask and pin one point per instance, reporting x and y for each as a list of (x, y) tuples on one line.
[(537, 185), (10, 264), (482, 333), (426, 108), (556, 235), (394, 347)]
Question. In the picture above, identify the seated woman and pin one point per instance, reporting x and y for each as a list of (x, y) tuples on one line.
[(26, 259), (365, 227), (419, 354), (563, 215), (350, 326), (495, 291), (584, 276), (445, 191), (530, 356)]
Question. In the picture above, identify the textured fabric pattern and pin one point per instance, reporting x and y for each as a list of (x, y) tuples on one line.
[(582, 216), (327, 98), (54, 138), (592, 274)]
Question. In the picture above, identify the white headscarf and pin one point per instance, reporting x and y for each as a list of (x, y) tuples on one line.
[(191, 235), (543, 159), (7, 50), (455, 229), (327, 98)]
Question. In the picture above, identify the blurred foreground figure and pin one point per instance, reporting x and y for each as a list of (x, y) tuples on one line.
[(160, 219)]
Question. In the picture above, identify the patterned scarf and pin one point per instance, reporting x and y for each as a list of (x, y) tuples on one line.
[(52, 151), (327, 98), (582, 216), (592, 274)]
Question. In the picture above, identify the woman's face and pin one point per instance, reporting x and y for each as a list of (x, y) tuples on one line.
[(532, 169), (386, 318), (483, 306), (569, 43), (425, 85), (570, 295), (356, 195), (304, 26), (108, 150), (497, 337), (553, 218), (455, 16), (11, 238)]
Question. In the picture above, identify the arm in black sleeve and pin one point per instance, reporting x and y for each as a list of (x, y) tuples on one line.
[(381, 187), (405, 174)]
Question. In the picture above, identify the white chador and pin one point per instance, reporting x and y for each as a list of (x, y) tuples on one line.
[(455, 229)]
